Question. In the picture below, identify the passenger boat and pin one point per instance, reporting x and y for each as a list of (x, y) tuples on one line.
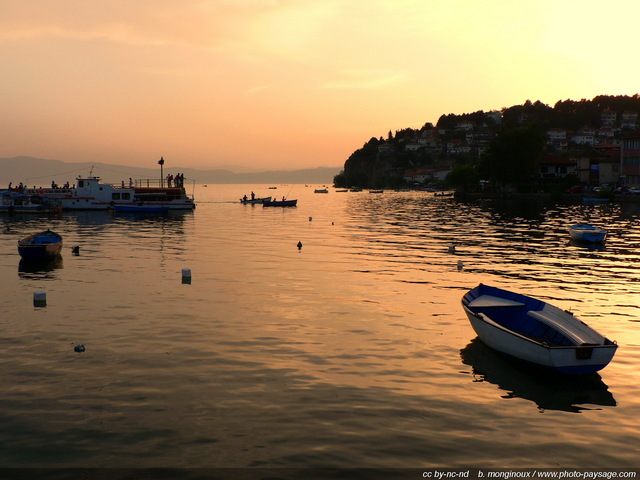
[(583, 232), (280, 203), (535, 331), (91, 194), (250, 201), (40, 246)]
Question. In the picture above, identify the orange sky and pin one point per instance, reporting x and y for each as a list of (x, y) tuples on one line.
[(286, 84)]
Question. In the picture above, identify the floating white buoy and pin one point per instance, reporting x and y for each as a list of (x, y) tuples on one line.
[(186, 275), (460, 265), (452, 249), (40, 299)]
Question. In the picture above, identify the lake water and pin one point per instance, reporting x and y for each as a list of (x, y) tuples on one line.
[(352, 351)]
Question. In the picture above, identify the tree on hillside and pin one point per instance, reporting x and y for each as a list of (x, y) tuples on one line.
[(463, 176), (513, 155)]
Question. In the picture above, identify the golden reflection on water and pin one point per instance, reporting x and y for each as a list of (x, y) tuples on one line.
[(285, 356)]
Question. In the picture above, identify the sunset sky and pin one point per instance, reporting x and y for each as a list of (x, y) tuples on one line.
[(287, 84)]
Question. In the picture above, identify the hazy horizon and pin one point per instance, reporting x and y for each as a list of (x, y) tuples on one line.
[(282, 84)]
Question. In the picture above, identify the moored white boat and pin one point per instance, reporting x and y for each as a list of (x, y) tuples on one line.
[(18, 202), (583, 232), (535, 331)]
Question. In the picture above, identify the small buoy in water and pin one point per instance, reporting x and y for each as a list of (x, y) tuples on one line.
[(79, 348), (299, 245), (452, 249), (186, 275), (40, 299), (76, 250), (310, 218), (460, 265)]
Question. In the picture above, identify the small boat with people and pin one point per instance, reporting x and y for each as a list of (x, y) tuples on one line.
[(40, 246), (280, 203), (585, 233), (534, 331), (253, 200), (321, 190)]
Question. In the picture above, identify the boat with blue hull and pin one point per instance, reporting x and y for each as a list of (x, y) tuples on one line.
[(535, 331), (586, 233), (40, 246)]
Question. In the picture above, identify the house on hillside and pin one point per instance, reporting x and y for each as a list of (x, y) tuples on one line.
[(631, 158), (608, 118), (427, 175), (629, 120), (552, 167), (599, 166)]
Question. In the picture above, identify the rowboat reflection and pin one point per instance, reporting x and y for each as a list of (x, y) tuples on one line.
[(548, 390), (41, 269)]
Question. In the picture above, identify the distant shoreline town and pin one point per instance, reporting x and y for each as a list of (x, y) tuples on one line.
[(586, 142)]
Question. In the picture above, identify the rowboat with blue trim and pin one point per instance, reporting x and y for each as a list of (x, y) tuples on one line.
[(40, 246), (535, 331), (586, 233)]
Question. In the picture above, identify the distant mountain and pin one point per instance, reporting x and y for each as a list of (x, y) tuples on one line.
[(41, 172)]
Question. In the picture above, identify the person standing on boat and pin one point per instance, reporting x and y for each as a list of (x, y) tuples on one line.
[(253, 196)]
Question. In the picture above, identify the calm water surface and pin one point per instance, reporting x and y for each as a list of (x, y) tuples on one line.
[(353, 351)]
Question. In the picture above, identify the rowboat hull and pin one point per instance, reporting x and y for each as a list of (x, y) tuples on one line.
[(587, 233), (281, 203), (536, 332), (255, 201), (40, 246)]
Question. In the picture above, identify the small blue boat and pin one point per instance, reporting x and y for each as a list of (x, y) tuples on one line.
[(535, 331), (40, 246), (586, 233)]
